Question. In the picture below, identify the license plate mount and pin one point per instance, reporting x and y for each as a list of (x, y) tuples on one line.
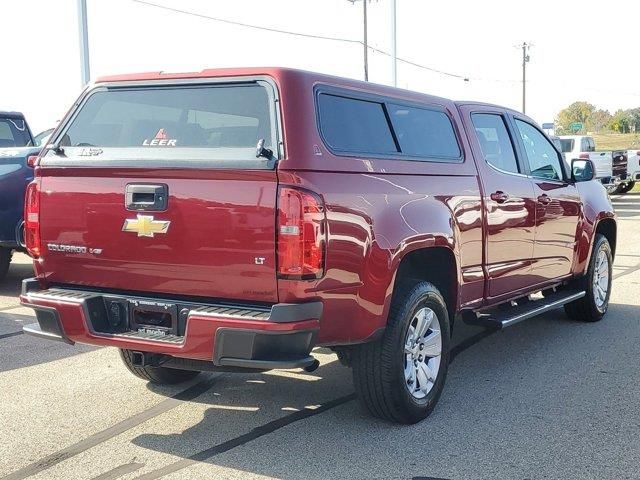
[(149, 316)]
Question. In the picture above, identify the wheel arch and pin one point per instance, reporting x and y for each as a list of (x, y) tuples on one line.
[(608, 228), (437, 265)]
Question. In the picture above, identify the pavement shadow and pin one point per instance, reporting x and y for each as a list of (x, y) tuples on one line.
[(244, 424), (18, 350), (241, 402)]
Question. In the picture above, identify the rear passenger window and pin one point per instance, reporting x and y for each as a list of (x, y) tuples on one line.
[(424, 133), (352, 125), (495, 141)]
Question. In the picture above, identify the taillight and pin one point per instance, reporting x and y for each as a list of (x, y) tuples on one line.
[(584, 156), (32, 161), (32, 219), (301, 234)]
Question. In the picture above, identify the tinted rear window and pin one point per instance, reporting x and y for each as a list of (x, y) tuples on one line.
[(567, 144), (424, 133), (352, 125), (220, 117)]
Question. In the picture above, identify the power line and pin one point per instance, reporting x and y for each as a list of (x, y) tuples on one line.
[(351, 41), (247, 25), (306, 35)]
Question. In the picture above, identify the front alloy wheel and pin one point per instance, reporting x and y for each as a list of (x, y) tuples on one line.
[(596, 283), (600, 283)]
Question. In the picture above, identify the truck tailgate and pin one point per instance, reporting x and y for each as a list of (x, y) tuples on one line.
[(603, 162), (220, 223)]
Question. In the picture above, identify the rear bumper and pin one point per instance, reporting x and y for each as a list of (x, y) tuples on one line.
[(254, 338)]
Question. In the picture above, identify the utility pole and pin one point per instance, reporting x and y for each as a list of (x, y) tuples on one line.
[(84, 41), (525, 60), (366, 46), (394, 59), (365, 43)]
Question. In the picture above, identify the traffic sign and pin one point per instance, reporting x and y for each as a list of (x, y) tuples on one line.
[(576, 126), (548, 126)]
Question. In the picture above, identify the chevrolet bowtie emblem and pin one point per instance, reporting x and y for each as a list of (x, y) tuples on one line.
[(145, 226)]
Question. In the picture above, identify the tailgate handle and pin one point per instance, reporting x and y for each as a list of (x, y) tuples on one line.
[(146, 197)]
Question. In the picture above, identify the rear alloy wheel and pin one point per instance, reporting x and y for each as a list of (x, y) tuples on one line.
[(401, 376), (423, 352), (157, 375), (5, 260), (596, 283)]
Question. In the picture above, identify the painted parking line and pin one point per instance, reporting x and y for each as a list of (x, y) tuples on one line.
[(12, 334)]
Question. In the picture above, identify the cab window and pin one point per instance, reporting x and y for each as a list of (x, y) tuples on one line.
[(543, 158)]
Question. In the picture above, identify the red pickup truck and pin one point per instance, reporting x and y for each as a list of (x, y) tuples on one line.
[(236, 219)]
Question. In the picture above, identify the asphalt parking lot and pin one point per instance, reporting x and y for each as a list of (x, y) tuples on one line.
[(548, 398)]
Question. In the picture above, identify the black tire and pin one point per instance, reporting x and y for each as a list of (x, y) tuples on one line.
[(617, 190), (586, 309), (158, 375), (627, 187), (378, 367), (5, 260)]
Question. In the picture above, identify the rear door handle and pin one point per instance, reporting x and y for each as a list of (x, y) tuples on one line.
[(544, 199), (499, 197)]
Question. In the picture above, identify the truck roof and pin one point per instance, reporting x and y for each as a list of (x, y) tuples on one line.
[(279, 74), (13, 115)]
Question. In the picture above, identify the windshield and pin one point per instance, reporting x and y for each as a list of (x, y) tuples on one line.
[(14, 133), (167, 120)]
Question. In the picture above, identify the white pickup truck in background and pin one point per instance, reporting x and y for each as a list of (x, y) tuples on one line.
[(633, 171), (611, 166)]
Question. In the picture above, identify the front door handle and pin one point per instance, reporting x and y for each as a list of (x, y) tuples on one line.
[(499, 197), (544, 199)]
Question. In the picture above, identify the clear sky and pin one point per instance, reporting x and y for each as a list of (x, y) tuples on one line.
[(582, 50)]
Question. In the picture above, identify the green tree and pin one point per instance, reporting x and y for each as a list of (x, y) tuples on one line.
[(599, 121), (621, 122), (576, 112), (634, 119)]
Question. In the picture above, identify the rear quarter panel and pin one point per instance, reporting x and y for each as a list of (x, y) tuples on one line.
[(378, 210), (373, 222)]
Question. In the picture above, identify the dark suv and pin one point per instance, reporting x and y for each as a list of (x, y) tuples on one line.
[(16, 146)]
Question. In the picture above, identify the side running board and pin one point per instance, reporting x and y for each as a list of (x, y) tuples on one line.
[(503, 318)]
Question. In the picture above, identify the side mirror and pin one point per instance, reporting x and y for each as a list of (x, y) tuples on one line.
[(582, 170)]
